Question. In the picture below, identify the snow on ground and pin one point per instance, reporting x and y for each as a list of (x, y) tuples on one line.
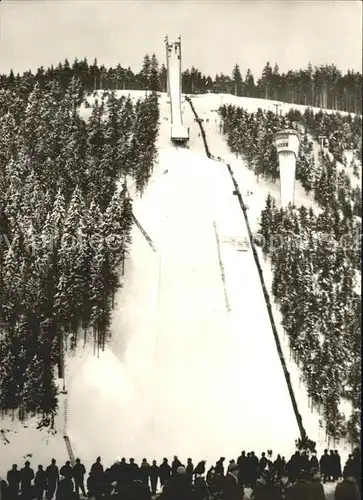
[(28, 443)]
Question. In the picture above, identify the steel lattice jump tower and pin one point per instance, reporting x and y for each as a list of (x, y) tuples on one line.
[(287, 143)]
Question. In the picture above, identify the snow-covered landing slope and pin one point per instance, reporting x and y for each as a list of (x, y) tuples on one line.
[(182, 375)]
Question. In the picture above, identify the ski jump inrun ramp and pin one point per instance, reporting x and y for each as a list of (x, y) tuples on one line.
[(178, 132)]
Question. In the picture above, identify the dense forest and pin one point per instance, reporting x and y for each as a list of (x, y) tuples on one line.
[(315, 258), (65, 226), (322, 86)]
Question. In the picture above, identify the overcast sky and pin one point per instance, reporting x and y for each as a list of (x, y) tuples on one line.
[(215, 35)]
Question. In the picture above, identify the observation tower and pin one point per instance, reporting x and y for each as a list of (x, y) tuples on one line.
[(287, 143)]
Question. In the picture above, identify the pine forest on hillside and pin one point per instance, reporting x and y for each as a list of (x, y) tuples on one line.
[(323, 86), (315, 258), (65, 226)]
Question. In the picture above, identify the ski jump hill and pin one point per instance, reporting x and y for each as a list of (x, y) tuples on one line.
[(192, 367)]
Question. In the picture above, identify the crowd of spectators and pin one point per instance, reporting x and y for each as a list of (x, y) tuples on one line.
[(299, 478)]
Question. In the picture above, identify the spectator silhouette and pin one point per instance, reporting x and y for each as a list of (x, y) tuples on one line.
[(52, 474), (165, 471), (145, 471), (178, 487), (133, 471), (79, 471), (13, 477), (231, 490), (189, 470), (96, 478), (324, 466), (65, 489), (263, 462), (40, 482), (154, 475), (316, 486), (219, 468), (174, 465), (241, 462), (266, 488), (26, 478), (200, 468), (66, 470), (338, 465)]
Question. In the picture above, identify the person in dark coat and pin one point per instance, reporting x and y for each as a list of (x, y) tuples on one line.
[(338, 464), (303, 489), (305, 461), (263, 462), (201, 490), (110, 487), (314, 462), (347, 490), (138, 491), (278, 465), (154, 475), (324, 466), (241, 462), (65, 489), (200, 468), (174, 465), (26, 478), (294, 466), (96, 478), (267, 489), (316, 488), (231, 490), (216, 484), (66, 470), (164, 471), (79, 471), (210, 474), (253, 468), (219, 468), (178, 487), (96, 471), (144, 471), (331, 466), (133, 471), (40, 482), (13, 477), (115, 473), (52, 474), (189, 470)]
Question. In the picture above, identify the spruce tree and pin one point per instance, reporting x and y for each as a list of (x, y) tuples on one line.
[(237, 80), (154, 83), (145, 73), (249, 84)]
